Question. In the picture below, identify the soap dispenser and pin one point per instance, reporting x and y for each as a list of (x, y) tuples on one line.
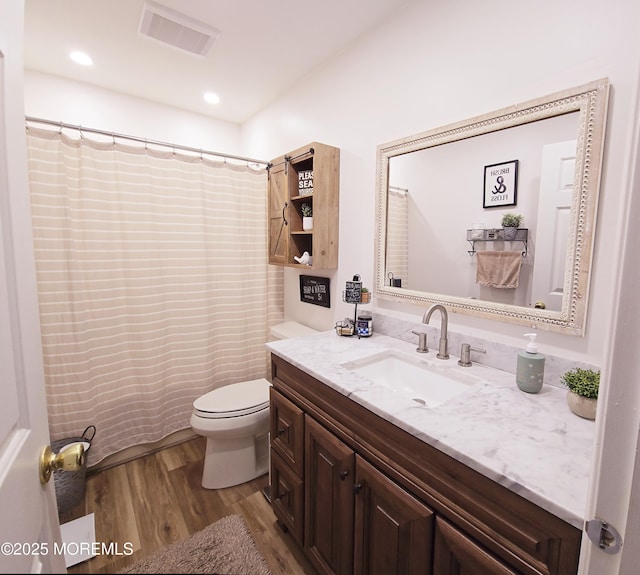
[(530, 369)]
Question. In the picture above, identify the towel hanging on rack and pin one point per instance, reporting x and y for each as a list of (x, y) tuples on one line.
[(499, 269)]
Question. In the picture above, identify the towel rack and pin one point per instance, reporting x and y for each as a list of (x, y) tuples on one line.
[(497, 235)]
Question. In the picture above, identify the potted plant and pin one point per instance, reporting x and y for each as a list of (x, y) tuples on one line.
[(583, 385), (307, 216), (365, 295), (511, 222)]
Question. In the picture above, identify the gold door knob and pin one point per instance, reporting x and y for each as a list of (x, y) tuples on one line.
[(70, 459)]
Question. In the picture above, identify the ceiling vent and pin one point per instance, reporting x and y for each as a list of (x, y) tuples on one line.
[(177, 30)]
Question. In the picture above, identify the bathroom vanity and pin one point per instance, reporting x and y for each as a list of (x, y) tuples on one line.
[(368, 479)]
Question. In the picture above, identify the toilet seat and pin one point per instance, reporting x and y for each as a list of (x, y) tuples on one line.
[(234, 400)]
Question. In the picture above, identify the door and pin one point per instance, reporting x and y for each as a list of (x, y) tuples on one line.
[(329, 478), (278, 214), (29, 529), (393, 530), (554, 214), (456, 554)]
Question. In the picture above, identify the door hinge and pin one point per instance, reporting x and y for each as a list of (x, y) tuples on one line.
[(605, 536)]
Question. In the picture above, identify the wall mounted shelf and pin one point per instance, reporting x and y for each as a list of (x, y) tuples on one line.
[(497, 235)]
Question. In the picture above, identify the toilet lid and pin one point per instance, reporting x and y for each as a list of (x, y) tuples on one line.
[(234, 400)]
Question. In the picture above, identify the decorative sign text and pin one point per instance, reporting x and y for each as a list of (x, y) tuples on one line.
[(305, 182), (315, 290)]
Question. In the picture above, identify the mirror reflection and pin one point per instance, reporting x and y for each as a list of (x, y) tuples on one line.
[(440, 209)]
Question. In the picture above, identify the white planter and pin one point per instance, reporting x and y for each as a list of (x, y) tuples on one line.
[(582, 406), (307, 223)]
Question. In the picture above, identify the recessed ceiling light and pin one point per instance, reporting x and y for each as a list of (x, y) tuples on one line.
[(211, 98), (81, 58)]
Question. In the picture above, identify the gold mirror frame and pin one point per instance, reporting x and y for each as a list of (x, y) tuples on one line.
[(590, 101)]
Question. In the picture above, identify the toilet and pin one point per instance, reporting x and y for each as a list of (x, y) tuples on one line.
[(235, 420)]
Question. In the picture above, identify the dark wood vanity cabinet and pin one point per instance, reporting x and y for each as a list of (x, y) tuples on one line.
[(393, 530), (363, 496)]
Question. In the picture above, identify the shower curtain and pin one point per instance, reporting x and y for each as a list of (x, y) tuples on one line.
[(397, 255), (153, 283)]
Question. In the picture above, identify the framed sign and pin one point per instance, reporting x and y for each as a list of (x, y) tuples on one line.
[(315, 290), (353, 292), (305, 182), (500, 184)]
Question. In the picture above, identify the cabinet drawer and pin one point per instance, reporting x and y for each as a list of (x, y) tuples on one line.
[(287, 496), (287, 431)]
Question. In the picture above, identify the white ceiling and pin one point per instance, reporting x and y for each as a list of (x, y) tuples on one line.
[(264, 47)]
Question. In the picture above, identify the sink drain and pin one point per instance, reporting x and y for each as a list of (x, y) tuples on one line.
[(420, 401)]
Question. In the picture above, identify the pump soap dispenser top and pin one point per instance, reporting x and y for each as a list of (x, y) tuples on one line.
[(530, 368)]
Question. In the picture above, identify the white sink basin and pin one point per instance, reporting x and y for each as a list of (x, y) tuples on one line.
[(419, 379)]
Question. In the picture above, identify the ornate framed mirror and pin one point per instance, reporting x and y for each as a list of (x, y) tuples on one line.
[(435, 212)]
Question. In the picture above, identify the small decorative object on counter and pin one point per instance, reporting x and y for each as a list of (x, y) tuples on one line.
[(365, 295), (530, 367), (582, 397), (345, 327), (364, 324)]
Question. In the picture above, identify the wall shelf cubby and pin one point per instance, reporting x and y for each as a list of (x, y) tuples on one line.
[(308, 175)]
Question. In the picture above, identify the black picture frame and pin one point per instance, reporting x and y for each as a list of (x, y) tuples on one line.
[(315, 290), (500, 184)]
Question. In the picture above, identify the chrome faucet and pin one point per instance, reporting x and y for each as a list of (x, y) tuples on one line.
[(422, 342), (465, 354), (443, 352)]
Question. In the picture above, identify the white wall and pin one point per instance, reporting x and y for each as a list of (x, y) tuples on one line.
[(439, 63), (430, 66), (51, 98)]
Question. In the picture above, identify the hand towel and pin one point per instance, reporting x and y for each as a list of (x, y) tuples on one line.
[(499, 269)]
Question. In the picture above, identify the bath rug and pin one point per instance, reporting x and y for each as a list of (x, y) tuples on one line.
[(224, 547)]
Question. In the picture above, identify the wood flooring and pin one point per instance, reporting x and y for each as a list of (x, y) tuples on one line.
[(155, 500)]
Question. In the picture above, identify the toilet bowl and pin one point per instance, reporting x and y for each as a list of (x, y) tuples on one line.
[(235, 420)]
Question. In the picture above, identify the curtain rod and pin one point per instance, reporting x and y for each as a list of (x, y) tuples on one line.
[(63, 125)]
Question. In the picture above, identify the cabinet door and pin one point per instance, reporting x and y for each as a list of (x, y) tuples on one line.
[(287, 497), (329, 476), (287, 431), (393, 530), (278, 215), (457, 554)]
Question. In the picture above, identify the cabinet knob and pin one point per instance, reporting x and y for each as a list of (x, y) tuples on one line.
[(281, 431), (344, 474), (357, 488), (282, 494)]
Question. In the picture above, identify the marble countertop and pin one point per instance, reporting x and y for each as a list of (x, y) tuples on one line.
[(529, 443)]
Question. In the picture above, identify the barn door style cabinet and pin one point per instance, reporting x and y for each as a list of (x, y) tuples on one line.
[(362, 496), (305, 179)]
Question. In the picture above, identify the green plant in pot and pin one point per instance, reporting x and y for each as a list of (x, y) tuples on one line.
[(583, 386), (307, 216), (511, 222)]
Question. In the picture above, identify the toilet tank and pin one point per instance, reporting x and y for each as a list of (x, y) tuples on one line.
[(289, 329)]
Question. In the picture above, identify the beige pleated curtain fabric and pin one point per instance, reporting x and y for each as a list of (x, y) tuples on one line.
[(153, 284), (397, 255)]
